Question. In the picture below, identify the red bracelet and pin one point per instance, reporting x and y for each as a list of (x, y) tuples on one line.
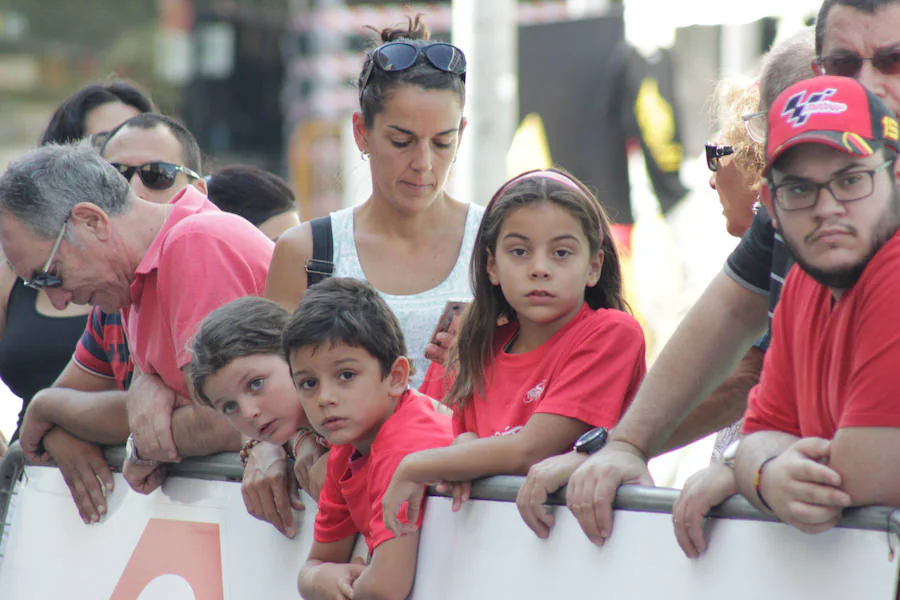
[(757, 481), (301, 435)]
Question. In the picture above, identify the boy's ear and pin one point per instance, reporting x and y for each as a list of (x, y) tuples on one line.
[(398, 377)]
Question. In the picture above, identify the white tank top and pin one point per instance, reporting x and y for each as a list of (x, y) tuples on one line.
[(418, 313)]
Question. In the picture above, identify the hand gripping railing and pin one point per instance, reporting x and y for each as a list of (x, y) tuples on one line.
[(227, 467)]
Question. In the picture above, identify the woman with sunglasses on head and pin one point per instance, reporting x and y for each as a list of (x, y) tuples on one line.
[(36, 340), (410, 122), (409, 239)]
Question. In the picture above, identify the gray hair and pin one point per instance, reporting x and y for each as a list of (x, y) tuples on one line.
[(41, 188), (786, 64)]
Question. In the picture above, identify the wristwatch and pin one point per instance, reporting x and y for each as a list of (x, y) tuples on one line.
[(131, 454), (591, 441), (729, 454)]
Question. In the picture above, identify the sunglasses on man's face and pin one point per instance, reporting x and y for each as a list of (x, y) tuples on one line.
[(155, 175), (849, 65)]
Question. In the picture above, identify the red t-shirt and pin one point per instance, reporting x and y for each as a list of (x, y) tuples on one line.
[(589, 370), (201, 259), (833, 364), (350, 501)]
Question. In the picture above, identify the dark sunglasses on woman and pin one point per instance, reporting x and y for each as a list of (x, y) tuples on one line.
[(849, 65), (156, 175), (400, 56), (714, 153)]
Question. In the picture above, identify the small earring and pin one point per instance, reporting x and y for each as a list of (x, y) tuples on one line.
[(364, 155)]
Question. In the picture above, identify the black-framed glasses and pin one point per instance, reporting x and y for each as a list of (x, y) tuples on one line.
[(756, 125), (400, 56), (44, 278), (156, 175), (848, 65), (714, 152), (847, 187)]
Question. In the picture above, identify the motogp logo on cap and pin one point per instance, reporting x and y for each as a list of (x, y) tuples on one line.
[(798, 110)]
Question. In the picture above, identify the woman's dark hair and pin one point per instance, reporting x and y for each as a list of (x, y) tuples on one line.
[(67, 123), (250, 192), (474, 350), (372, 97), (243, 327)]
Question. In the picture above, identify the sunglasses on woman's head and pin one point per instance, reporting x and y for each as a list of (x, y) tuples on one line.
[(714, 153), (849, 65), (155, 175), (400, 56)]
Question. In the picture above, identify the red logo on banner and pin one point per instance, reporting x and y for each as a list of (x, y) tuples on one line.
[(190, 551)]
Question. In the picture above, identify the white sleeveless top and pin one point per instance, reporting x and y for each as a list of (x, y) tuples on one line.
[(418, 313)]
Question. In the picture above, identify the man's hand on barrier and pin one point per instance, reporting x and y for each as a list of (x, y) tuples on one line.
[(266, 487), (150, 405), (31, 434), (310, 463), (543, 479), (802, 489), (592, 487), (144, 478), (702, 491), (84, 470)]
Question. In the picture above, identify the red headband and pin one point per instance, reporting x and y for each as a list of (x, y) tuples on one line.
[(547, 174)]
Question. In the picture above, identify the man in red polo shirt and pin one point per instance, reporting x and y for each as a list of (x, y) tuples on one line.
[(71, 225), (823, 425)]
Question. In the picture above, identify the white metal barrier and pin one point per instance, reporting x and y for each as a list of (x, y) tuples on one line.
[(194, 540)]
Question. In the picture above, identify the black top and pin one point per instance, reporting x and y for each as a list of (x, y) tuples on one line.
[(761, 262), (34, 348)]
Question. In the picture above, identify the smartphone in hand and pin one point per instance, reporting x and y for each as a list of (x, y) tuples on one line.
[(451, 310)]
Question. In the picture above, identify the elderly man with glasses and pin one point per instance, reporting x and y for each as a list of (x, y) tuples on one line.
[(70, 224)]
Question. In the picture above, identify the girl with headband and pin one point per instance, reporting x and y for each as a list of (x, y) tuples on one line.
[(547, 352)]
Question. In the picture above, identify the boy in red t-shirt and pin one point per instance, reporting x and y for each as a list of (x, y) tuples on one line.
[(347, 357)]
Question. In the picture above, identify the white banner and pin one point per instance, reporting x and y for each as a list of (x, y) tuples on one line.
[(193, 540)]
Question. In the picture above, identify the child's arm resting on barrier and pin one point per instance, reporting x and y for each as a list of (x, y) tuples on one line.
[(391, 571), (327, 574), (542, 436)]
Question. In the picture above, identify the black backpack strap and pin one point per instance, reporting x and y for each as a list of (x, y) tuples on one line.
[(321, 265)]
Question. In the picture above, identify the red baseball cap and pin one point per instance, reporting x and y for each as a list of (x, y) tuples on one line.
[(835, 111)]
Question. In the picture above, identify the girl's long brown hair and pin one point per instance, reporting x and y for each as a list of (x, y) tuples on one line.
[(474, 349)]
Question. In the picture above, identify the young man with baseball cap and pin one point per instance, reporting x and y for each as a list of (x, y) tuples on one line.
[(823, 425)]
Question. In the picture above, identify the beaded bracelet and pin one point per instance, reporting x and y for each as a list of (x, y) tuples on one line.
[(301, 435), (757, 482), (245, 451)]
